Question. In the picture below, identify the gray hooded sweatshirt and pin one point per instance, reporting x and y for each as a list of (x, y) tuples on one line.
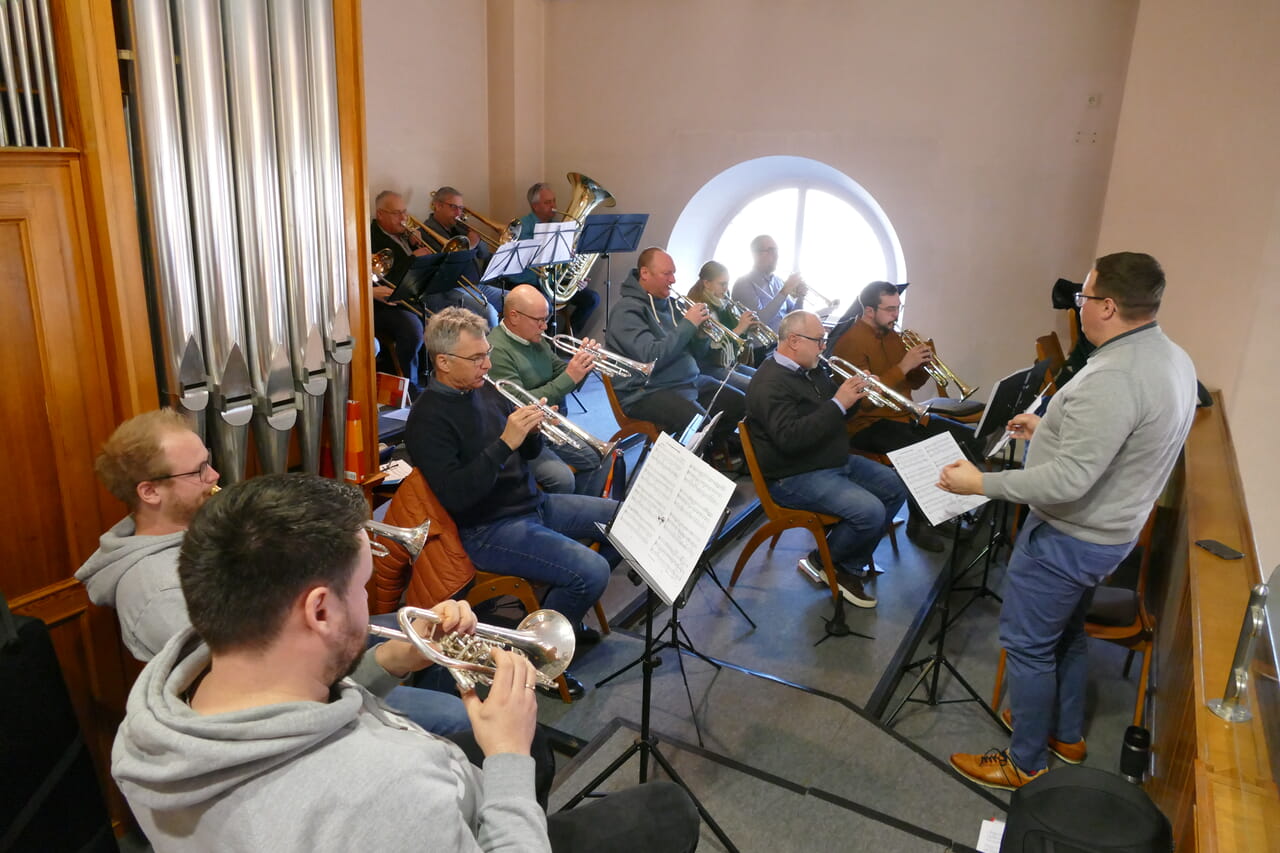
[(349, 774), (138, 577)]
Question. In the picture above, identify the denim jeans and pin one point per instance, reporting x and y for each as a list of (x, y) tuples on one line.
[(863, 493), (566, 470), (541, 547), (438, 712), (1047, 592)]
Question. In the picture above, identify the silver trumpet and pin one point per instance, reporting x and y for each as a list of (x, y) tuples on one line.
[(607, 363), (758, 333), (545, 637), (718, 332), (414, 539), (878, 393), (555, 427)]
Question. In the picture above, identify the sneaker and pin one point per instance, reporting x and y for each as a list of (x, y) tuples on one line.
[(993, 769), (1072, 753), (851, 589)]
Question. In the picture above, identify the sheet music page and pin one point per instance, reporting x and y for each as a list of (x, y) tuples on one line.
[(555, 242), (508, 259), (920, 465), (669, 514)]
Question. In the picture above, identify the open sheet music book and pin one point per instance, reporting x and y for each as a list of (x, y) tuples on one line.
[(920, 465), (670, 512)]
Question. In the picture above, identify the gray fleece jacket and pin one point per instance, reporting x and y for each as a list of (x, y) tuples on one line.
[(349, 774), (649, 329), (138, 577), (1109, 439)]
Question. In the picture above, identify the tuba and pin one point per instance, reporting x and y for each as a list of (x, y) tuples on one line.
[(937, 371), (545, 637), (587, 196)]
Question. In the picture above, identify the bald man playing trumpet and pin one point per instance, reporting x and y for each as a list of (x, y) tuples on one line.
[(522, 355)]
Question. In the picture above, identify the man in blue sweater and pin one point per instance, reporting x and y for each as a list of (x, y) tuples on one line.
[(1097, 461)]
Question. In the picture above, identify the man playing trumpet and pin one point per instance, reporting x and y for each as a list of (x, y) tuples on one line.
[(246, 734), (873, 345), (475, 448), (522, 355)]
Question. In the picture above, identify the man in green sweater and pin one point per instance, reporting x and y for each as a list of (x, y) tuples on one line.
[(521, 355)]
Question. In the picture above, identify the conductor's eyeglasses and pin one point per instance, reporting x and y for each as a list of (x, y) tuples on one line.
[(1083, 297)]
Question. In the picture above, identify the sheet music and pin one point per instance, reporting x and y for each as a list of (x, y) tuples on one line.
[(511, 258), (920, 465), (556, 242), (668, 516)]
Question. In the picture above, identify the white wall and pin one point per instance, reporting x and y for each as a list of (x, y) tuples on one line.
[(962, 120), (1196, 182)]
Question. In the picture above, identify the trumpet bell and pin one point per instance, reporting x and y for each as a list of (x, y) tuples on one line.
[(414, 539), (555, 639)]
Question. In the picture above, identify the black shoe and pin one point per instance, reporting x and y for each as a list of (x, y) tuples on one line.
[(585, 636), (924, 538), (576, 689)]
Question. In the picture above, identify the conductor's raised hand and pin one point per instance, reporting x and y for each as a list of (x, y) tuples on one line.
[(520, 423), (505, 720)]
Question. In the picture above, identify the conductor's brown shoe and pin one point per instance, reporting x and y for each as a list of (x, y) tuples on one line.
[(994, 769), (1072, 753)]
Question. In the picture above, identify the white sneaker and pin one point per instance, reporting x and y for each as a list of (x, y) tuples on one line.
[(855, 594)]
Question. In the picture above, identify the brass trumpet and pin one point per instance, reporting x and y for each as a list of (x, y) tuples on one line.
[(545, 637), (607, 363), (878, 393), (556, 428), (719, 333), (937, 371)]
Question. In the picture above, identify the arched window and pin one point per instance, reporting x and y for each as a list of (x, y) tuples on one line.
[(826, 225)]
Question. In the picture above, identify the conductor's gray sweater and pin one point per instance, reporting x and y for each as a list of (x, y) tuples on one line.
[(1107, 443)]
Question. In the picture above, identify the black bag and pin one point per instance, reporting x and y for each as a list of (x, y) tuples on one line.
[(49, 793)]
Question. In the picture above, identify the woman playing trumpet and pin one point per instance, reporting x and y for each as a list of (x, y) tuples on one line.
[(724, 357)]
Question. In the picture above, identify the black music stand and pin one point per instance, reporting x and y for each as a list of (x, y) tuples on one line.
[(415, 283), (606, 233)]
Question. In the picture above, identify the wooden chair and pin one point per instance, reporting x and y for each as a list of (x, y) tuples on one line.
[(1048, 346), (1118, 615), (781, 518), (627, 425)]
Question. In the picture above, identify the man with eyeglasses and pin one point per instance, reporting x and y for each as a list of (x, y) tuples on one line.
[(160, 470), (762, 291), (796, 416), (446, 221), (873, 345), (521, 355), (474, 449), (542, 208), (1097, 461)]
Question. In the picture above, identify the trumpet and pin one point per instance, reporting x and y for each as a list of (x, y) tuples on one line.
[(878, 393), (556, 427), (607, 363), (545, 637), (937, 371), (758, 333), (414, 539), (719, 333), (831, 304)]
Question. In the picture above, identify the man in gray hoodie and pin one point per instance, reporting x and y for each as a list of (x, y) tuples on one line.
[(645, 325), (246, 734), (160, 470), (1097, 461)]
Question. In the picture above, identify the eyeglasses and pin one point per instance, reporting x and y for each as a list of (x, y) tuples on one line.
[(456, 208), (202, 472), (474, 359), (1082, 297), (822, 341), (541, 321), (400, 212)]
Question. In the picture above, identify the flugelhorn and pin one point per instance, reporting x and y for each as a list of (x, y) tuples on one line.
[(878, 393), (414, 539), (545, 637), (938, 371), (555, 427), (717, 331), (607, 363)]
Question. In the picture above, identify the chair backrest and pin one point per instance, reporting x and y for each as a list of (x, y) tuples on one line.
[(627, 425), (1048, 346), (441, 570), (771, 509)]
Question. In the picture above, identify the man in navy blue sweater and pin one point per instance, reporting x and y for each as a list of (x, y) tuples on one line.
[(474, 448)]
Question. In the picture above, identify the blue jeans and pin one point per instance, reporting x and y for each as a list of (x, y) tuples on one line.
[(863, 493), (1047, 592), (566, 470), (436, 711), (541, 547), (464, 297)]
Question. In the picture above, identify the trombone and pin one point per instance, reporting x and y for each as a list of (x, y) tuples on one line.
[(545, 637), (607, 363), (556, 427), (505, 234), (878, 393), (451, 244), (937, 371), (719, 333)]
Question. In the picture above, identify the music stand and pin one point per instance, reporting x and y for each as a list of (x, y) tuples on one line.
[(511, 259), (606, 233), (415, 283)]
